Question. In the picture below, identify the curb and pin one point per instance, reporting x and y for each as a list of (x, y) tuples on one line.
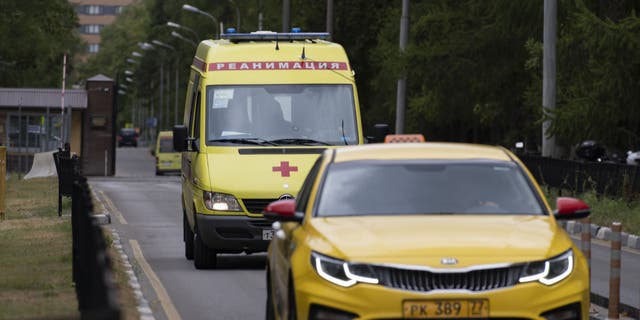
[(601, 233)]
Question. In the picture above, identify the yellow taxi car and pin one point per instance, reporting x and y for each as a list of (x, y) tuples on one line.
[(423, 230), (167, 159)]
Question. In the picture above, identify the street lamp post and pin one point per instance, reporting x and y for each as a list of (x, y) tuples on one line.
[(196, 10), (175, 106), (237, 15)]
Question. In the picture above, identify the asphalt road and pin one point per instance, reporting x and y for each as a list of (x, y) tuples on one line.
[(146, 213)]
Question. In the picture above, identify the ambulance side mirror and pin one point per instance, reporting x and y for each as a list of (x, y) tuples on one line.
[(180, 134), (380, 130)]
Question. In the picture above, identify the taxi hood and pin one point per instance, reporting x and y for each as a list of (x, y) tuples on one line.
[(258, 173), (427, 239)]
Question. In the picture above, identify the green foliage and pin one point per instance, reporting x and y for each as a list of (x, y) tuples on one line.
[(598, 76), (474, 67), (34, 36)]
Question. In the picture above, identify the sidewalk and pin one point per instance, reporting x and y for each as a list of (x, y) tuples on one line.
[(600, 313)]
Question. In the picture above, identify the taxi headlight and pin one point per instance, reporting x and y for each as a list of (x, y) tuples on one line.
[(341, 272), (220, 201), (549, 272)]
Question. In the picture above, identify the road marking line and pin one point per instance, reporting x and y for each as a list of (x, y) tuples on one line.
[(163, 296), (113, 208)]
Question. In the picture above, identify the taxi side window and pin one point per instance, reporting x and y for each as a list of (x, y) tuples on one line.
[(305, 190)]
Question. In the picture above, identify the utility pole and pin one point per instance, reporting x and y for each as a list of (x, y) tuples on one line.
[(549, 75), (402, 82), (330, 18), (259, 15), (286, 15)]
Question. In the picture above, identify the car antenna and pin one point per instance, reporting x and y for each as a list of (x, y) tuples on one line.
[(277, 47), (303, 55)]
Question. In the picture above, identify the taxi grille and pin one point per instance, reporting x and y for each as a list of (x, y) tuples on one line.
[(256, 205), (424, 281)]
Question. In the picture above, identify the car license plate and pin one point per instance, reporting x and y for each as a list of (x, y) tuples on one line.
[(443, 309), (267, 234)]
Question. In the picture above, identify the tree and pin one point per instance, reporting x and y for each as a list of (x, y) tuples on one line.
[(34, 36)]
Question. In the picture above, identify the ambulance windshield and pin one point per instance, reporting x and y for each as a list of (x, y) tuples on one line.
[(292, 114)]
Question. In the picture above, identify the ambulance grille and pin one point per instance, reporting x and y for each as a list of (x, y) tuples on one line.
[(256, 205), (425, 281)]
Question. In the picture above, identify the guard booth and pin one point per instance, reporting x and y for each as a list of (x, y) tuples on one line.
[(98, 128), (32, 120)]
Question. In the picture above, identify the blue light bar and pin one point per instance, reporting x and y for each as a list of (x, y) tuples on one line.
[(269, 36)]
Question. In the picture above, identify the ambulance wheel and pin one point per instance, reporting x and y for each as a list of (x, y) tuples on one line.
[(187, 238), (203, 257), (270, 312)]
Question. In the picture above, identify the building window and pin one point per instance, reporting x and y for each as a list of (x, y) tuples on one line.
[(91, 28), (33, 132), (93, 47), (119, 9), (94, 10)]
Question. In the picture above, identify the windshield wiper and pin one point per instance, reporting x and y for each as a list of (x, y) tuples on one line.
[(255, 141), (301, 141)]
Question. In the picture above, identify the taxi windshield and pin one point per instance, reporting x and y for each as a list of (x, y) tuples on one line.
[(291, 114), (426, 187)]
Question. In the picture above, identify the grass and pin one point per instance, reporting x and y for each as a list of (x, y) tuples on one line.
[(35, 255), (605, 210)]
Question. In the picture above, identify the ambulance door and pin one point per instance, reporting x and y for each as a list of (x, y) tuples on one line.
[(188, 158)]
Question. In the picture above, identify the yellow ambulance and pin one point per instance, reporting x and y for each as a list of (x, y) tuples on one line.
[(167, 159), (259, 110)]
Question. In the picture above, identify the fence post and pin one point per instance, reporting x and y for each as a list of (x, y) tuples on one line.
[(3, 180), (614, 275), (585, 242)]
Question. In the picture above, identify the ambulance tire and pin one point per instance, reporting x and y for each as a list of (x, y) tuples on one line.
[(203, 257), (270, 312), (187, 237)]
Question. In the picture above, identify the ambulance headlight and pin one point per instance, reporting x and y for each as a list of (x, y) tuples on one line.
[(220, 201)]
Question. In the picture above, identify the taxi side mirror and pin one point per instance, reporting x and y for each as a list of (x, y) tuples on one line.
[(571, 208), (180, 134), (282, 210)]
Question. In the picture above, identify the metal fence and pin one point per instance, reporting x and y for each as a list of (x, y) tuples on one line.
[(610, 179), (92, 273)]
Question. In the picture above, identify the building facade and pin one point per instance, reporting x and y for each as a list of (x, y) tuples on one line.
[(93, 16)]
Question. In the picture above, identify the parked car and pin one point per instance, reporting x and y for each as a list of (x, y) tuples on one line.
[(128, 137), (423, 230), (168, 160)]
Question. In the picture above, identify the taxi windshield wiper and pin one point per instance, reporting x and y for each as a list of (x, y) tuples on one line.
[(256, 141), (301, 141)]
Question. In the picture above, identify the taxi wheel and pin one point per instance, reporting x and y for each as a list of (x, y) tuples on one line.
[(188, 238), (203, 257)]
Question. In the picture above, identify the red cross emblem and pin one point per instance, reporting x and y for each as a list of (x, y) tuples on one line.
[(284, 168)]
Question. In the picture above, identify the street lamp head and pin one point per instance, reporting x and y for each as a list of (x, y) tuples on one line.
[(128, 72), (131, 60), (173, 24), (190, 8), (145, 46), (128, 79), (162, 44), (136, 54), (181, 37)]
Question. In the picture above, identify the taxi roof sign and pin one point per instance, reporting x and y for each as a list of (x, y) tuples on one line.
[(402, 138)]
